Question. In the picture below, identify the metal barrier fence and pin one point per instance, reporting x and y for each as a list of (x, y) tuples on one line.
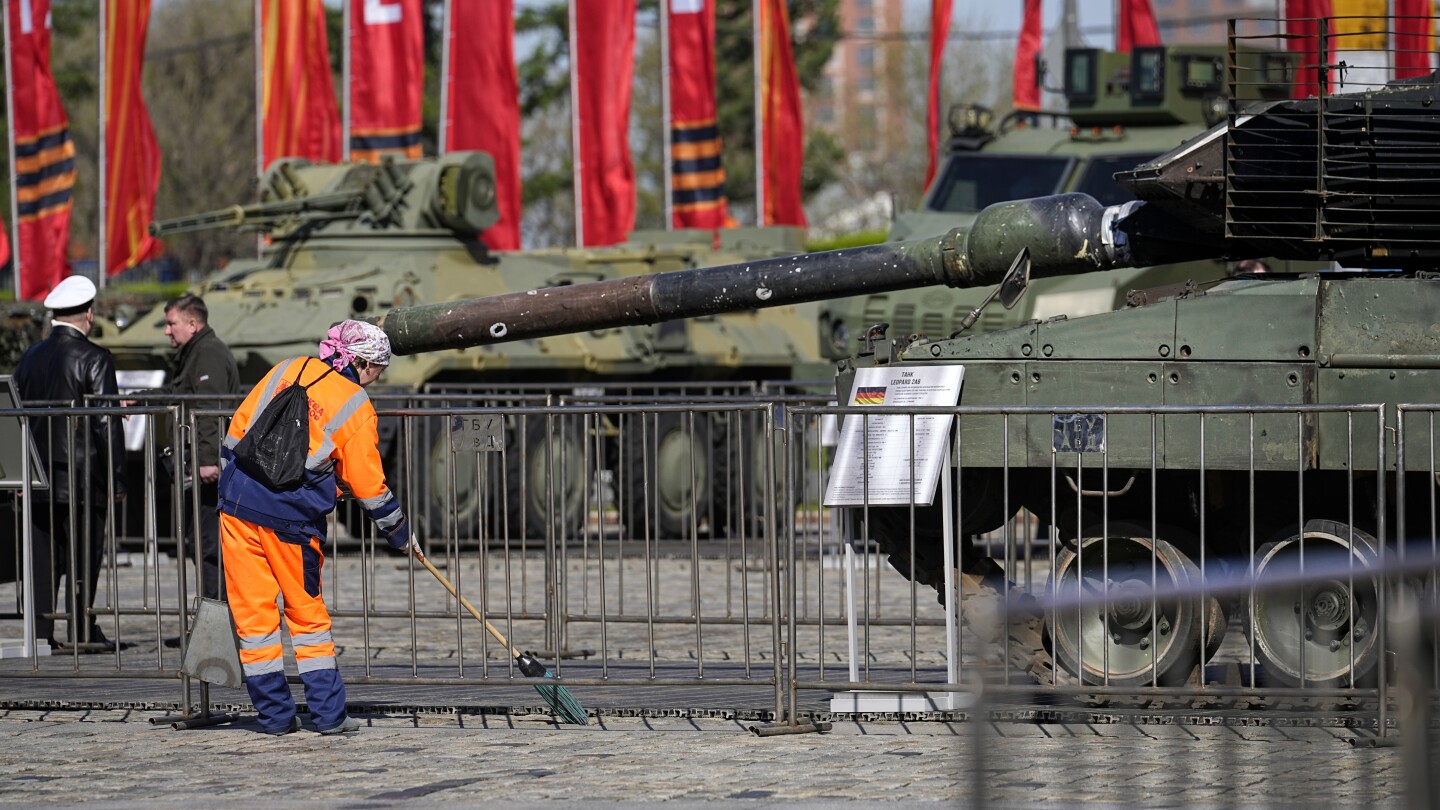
[(1241, 554)]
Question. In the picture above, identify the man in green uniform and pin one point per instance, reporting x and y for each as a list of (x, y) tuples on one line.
[(203, 365)]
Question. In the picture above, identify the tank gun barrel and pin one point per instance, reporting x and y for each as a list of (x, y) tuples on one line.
[(669, 296), (1066, 233), (261, 216)]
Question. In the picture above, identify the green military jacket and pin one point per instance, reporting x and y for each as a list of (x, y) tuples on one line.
[(204, 365)]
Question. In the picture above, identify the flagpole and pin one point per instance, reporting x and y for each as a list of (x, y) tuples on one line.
[(104, 186), (667, 160), (347, 13), (445, 35), (10, 139), (759, 117), (259, 109), (575, 133)]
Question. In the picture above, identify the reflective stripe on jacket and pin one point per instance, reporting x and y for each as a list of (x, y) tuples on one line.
[(344, 443)]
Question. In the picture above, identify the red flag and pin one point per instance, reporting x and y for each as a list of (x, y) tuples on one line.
[(483, 103), (387, 77), (1304, 39), (132, 157), (784, 126), (697, 177), (1137, 26), (300, 115), (939, 32), (602, 44), (1414, 39), (1025, 89), (44, 171)]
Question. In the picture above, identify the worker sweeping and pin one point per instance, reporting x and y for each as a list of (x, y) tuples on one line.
[(305, 425)]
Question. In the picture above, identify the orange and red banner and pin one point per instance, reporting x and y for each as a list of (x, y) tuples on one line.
[(1025, 87), (301, 118), (1414, 39), (1304, 40), (602, 43), (44, 171), (387, 77), (939, 32), (783, 124), (483, 103), (1137, 26), (697, 177), (132, 156)]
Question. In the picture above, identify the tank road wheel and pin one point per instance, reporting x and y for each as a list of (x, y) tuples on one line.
[(1133, 639), (445, 517), (739, 449), (1328, 624), (668, 474), (544, 476)]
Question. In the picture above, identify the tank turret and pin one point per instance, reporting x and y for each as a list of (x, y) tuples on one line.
[(1116, 110)]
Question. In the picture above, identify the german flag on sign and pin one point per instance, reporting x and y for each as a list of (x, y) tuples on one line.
[(870, 396)]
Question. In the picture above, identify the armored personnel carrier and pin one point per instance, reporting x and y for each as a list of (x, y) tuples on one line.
[(1121, 109), (355, 240), (1348, 179)]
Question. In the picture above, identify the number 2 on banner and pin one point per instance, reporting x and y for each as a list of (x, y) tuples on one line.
[(379, 12)]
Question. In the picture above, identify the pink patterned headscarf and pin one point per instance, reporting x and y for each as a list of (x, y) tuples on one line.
[(348, 340)]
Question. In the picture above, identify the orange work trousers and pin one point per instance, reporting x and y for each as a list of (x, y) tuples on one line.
[(259, 567)]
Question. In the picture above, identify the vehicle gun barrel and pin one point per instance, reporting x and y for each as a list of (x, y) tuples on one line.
[(1066, 233), (261, 215)]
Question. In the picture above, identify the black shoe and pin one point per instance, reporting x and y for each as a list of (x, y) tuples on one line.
[(98, 643), (173, 642), (290, 728)]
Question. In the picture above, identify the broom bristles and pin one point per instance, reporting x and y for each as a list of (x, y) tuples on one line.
[(557, 697), (564, 704)]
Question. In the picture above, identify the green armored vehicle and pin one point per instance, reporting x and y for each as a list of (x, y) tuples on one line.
[(355, 240), (1121, 109), (1350, 179)]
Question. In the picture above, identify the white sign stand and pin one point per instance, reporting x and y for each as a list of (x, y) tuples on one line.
[(22, 647), (27, 643), (897, 457)]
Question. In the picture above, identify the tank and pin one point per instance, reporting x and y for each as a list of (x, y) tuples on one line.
[(1121, 109), (1348, 182), (355, 240)]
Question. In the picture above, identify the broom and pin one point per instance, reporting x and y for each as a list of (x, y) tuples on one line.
[(564, 704)]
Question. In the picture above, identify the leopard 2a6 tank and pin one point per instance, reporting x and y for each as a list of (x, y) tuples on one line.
[(355, 240), (1347, 180)]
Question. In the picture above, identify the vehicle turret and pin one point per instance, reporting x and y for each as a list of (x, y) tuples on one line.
[(1116, 110), (454, 193)]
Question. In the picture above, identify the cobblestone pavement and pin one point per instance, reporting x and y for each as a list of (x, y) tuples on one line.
[(117, 759)]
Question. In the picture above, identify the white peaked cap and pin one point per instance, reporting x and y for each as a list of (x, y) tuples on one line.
[(71, 292)]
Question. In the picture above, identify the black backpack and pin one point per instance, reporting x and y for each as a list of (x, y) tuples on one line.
[(274, 449)]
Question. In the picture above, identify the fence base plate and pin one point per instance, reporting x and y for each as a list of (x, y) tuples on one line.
[(15, 648), (862, 701)]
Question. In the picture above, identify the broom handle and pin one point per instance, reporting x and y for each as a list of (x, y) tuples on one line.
[(466, 602)]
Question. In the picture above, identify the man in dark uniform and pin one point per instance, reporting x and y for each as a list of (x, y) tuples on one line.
[(67, 366), (203, 365)]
